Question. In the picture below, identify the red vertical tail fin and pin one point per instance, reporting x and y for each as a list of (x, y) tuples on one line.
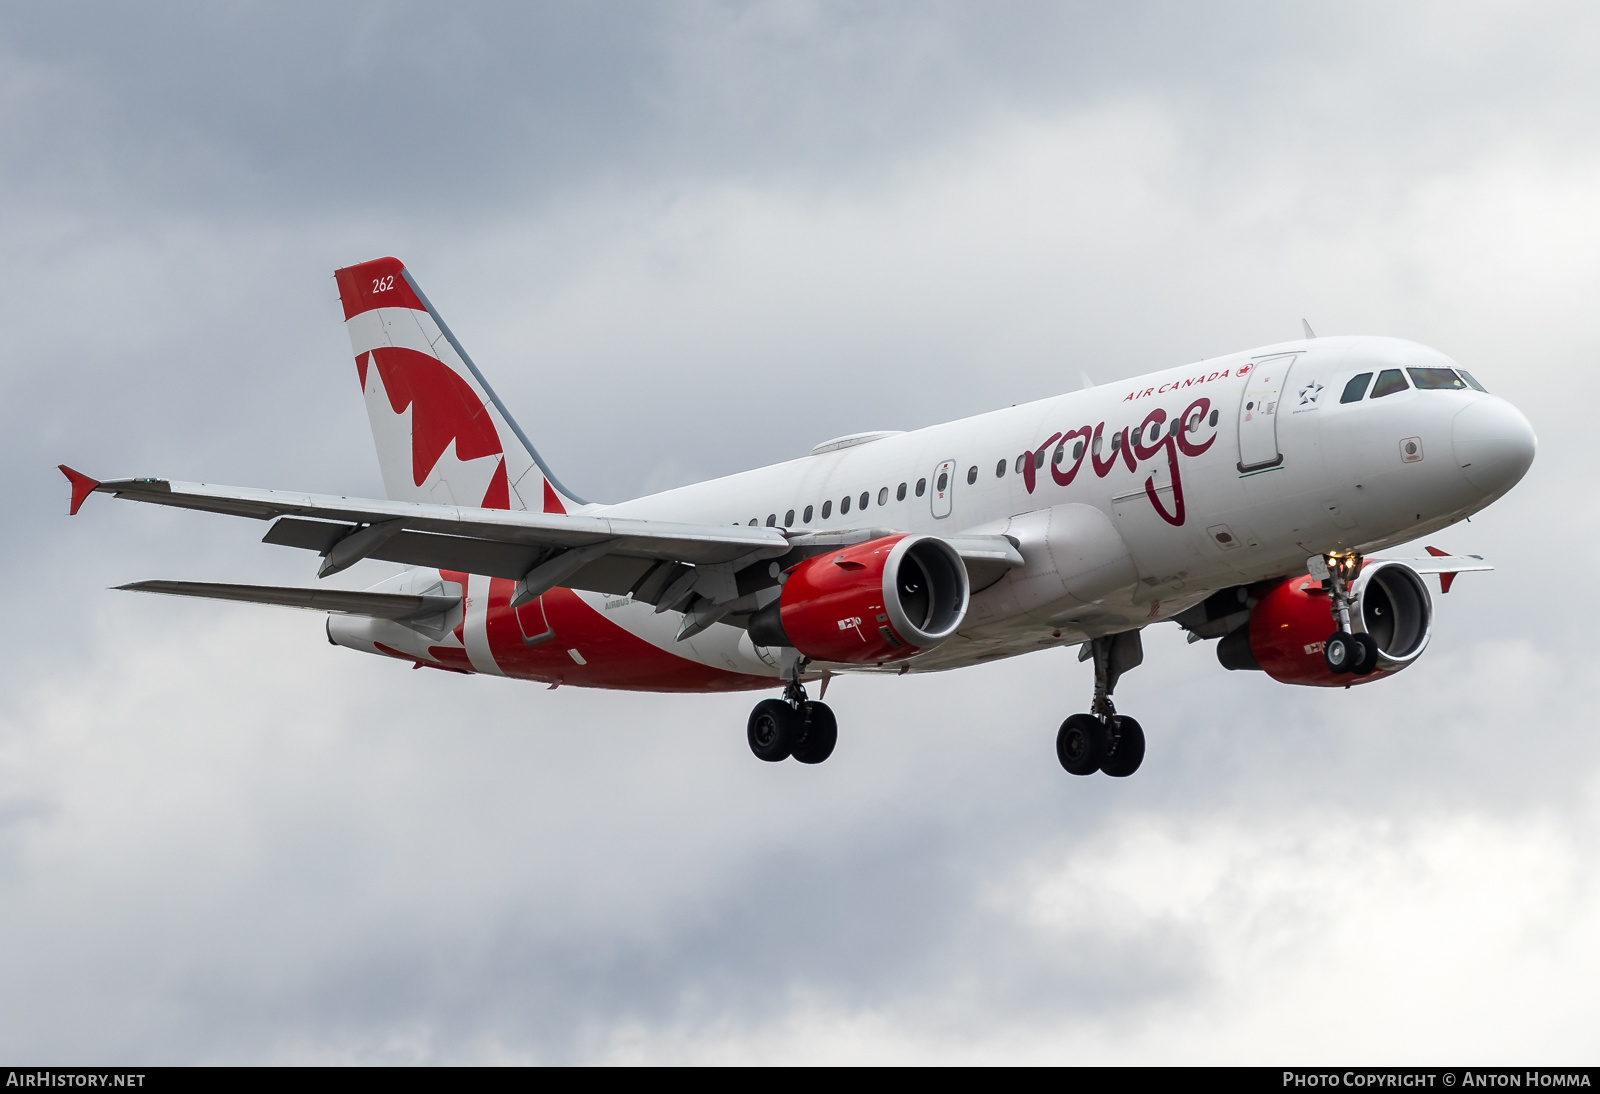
[(442, 434)]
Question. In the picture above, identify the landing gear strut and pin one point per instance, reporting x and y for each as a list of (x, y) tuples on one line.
[(794, 725), (1344, 651), (1104, 740)]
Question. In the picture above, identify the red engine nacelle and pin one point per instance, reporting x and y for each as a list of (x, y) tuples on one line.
[(883, 600), (1292, 620)]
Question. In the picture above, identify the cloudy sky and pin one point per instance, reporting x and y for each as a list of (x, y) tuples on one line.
[(685, 239)]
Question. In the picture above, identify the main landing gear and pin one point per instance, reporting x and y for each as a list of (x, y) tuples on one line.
[(794, 725), (1104, 740), (1344, 651)]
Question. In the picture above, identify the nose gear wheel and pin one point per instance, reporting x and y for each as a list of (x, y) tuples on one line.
[(1345, 650)]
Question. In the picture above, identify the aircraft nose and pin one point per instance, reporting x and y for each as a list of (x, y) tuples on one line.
[(1494, 444)]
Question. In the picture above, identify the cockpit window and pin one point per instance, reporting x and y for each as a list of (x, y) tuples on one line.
[(1473, 384), (1436, 379), (1356, 388), (1390, 380)]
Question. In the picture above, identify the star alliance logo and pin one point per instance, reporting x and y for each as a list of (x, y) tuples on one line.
[(1310, 393)]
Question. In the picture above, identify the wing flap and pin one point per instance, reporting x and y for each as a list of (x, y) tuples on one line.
[(473, 556), (611, 573), (308, 535)]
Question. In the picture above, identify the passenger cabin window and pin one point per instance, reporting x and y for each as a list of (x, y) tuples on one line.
[(883, 495), (805, 518), (1390, 380), (922, 487), (1000, 470), (772, 520), (844, 505), (1356, 388), (1436, 379), (944, 480), (1215, 414), (1473, 384), (754, 521), (972, 474), (1022, 461), (866, 496), (788, 519), (900, 494), (827, 509)]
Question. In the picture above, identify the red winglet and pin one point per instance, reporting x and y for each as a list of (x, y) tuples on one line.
[(82, 486), (1445, 580)]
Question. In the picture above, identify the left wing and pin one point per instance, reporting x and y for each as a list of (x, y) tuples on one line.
[(540, 550), (709, 568)]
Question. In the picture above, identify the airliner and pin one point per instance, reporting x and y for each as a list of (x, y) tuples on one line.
[(1244, 498)]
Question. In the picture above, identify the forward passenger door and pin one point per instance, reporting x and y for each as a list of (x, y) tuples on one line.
[(1258, 413)]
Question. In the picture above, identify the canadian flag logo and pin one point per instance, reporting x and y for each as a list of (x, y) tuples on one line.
[(442, 436), (446, 417)]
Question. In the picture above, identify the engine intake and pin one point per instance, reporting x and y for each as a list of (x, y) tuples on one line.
[(883, 600), (1292, 621)]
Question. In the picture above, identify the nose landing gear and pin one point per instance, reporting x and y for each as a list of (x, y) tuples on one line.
[(1344, 651), (794, 725), (1104, 740)]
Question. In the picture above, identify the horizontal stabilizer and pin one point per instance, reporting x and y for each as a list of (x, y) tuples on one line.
[(380, 605)]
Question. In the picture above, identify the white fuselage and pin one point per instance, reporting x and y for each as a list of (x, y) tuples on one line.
[(1268, 467)]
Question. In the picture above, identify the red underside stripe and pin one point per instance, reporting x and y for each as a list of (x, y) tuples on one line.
[(615, 658)]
